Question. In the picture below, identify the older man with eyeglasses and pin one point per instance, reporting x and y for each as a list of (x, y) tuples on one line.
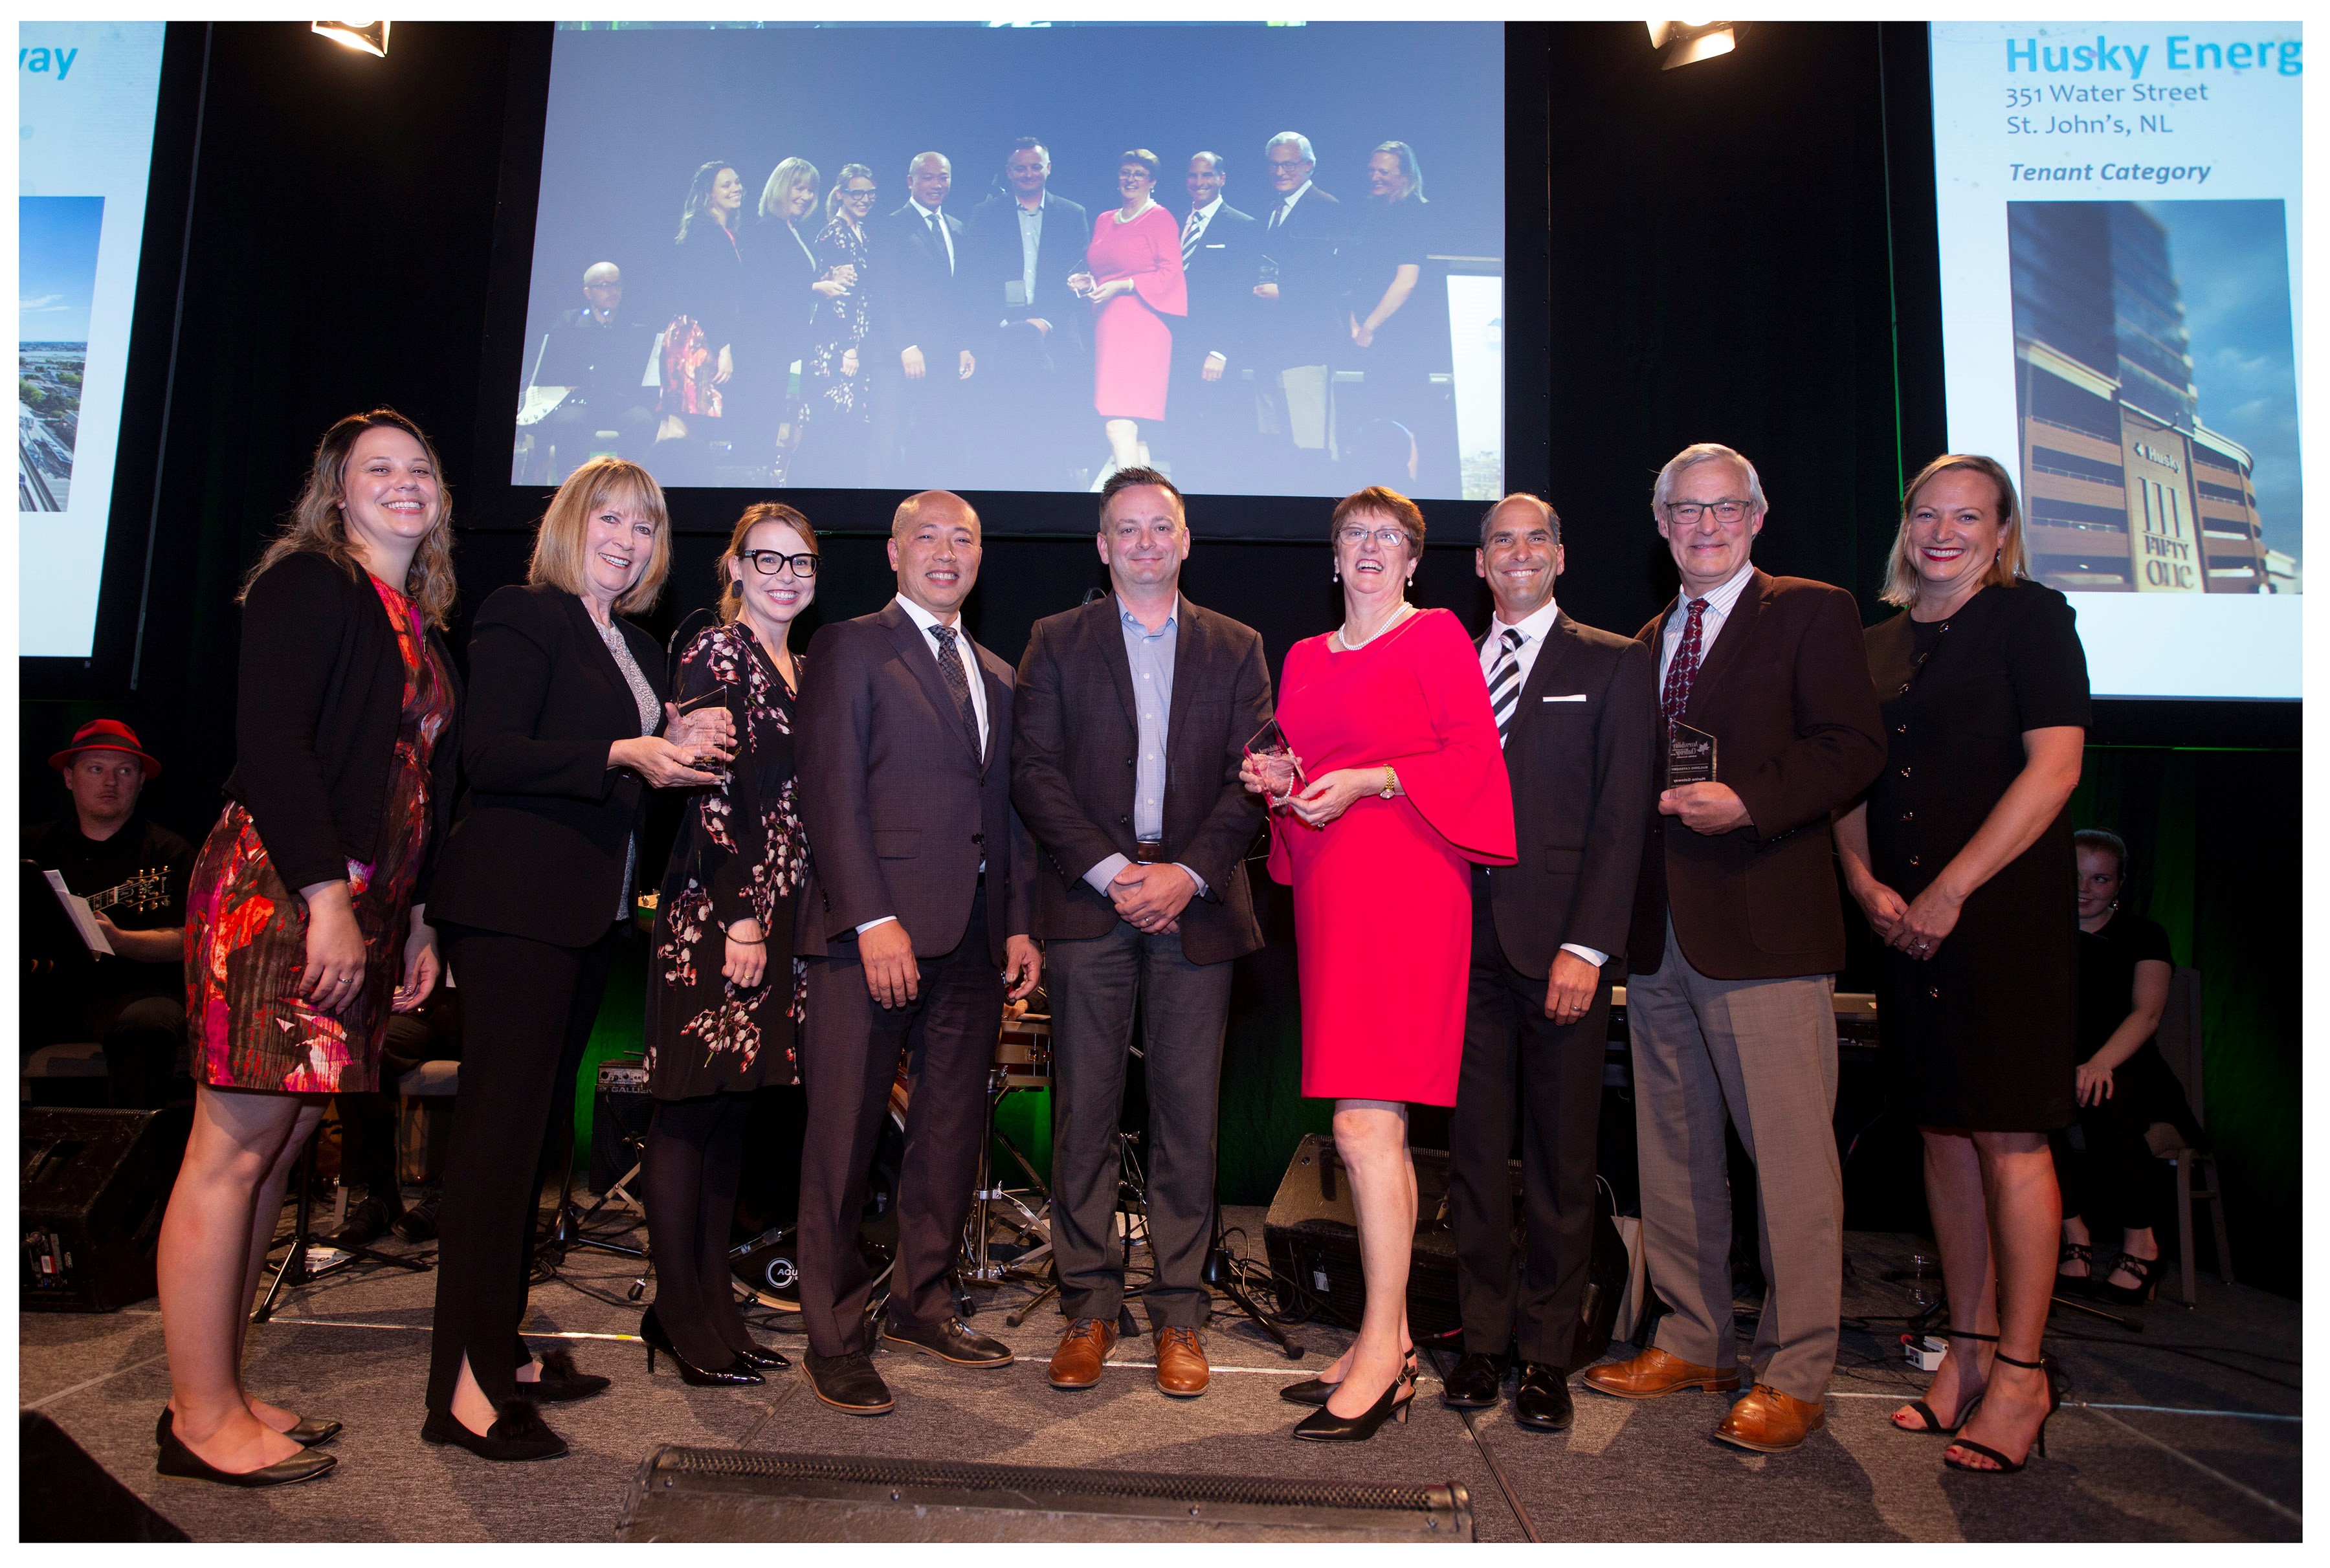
[(1769, 723)]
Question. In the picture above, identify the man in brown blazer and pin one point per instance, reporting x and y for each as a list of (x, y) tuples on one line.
[(1132, 714), (914, 917), (1737, 936)]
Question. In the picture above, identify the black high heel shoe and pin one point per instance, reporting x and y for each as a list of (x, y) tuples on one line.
[(737, 1373), (2076, 1252), (764, 1359), (180, 1462), (2135, 1295), (1966, 1411), (307, 1433), (1319, 1391), (1324, 1426), (2056, 1382)]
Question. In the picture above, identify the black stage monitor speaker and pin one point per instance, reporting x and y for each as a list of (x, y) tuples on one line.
[(92, 1191), (1311, 1237), (725, 1494), (619, 1114), (64, 1495)]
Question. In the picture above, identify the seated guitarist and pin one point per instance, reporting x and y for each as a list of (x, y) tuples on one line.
[(134, 1003)]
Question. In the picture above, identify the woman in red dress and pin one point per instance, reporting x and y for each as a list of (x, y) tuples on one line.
[(1389, 720), (306, 916), (1133, 279)]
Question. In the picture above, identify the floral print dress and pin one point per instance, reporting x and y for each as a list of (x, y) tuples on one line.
[(741, 855), (247, 1026)]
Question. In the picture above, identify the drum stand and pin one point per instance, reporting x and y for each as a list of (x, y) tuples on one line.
[(992, 1201), (295, 1268), (1132, 1203)]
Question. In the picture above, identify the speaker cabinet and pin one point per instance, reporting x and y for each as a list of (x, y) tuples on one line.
[(91, 1195), (1311, 1236), (683, 1494)]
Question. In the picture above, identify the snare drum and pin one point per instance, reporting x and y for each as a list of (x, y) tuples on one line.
[(1023, 1051)]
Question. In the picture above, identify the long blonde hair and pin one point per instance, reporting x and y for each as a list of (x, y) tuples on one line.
[(782, 179), (319, 525), (732, 593), (2013, 559), (560, 539)]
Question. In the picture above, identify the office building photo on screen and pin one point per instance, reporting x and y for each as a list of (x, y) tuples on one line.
[(1020, 257)]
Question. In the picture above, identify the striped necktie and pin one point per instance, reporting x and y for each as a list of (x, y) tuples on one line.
[(1505, 684), (1190, 237)]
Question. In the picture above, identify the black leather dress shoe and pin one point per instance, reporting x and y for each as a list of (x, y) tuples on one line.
[(951, 1340), (847, 1383), (367, 1222), (1474, 1383), (1541, 1399)]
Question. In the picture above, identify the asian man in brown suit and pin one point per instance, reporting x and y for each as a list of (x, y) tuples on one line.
[(914, 918), (1132, 714), (1738, 934)]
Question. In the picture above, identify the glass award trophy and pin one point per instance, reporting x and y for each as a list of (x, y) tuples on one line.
[(1691, 756), (1274, 760)]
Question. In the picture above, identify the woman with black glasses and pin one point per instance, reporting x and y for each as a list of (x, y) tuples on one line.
[(837, 370), (724, 993)]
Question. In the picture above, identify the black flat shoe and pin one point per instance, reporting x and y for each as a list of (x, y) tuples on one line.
[(950, 1340), (847, 1383), (180, 1462), (562, 1380), (518, 1433), (765, 1359), (1324, 1426), (1319, 1391), (1541, 1398), (307, 1433), (735, 1374), (1474, 1383)]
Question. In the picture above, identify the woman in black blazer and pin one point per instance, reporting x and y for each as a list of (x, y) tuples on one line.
[(307, 917), (785, 283), (567, 731)]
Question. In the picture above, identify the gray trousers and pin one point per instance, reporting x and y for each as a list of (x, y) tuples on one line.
[(1094, 984), (1765, 1053)]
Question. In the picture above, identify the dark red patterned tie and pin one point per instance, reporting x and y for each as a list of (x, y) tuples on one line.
[(1676, 696)]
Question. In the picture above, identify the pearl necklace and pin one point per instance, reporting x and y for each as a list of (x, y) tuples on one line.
[(1344, 630), (1137, 212)]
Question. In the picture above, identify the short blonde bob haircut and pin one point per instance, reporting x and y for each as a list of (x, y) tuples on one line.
[(732, 593), (560, 539), (1391, 503), (2013, 559)]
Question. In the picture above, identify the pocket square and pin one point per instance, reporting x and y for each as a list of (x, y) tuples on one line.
[(1572, 697)]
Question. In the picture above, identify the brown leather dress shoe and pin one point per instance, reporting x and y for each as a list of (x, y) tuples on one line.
[(1655, 1373), (1083, 1348), (1770, 1421), (1181, 1369)]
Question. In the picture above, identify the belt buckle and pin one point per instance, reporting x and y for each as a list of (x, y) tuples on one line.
[(1148, 852)]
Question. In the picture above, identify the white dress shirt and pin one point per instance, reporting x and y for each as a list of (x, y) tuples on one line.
[(1204, 218), (1286, 209), (945, 238), (1711, 619), (923, 621), (1533, 628)]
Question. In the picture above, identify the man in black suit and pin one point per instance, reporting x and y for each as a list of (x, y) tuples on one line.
[(1576, 713), (1298, 314), (915, 916), (1024, 245), (1211, 408), (600, 355), (926, 328), (1132, 713)]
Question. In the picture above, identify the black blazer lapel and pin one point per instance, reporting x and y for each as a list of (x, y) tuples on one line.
[(1104, 628), (1558, 643), (614, 691), (998, 703), (1192, 648)]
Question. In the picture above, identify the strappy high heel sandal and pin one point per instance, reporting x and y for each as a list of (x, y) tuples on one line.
[(2076, 1252), (2056, 1383), (1966, 1409), (1324, 1425), (1319, 1391), (2135, 1295)]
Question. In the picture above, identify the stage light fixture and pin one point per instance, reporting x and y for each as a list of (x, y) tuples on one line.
[(1686, 43), (368, 37)]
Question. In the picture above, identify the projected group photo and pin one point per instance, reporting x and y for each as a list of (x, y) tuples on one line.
[(1020, 258)]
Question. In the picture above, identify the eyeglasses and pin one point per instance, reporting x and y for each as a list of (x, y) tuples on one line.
[(865, 195), (769, 562), (1688, 512), (1356, 537)]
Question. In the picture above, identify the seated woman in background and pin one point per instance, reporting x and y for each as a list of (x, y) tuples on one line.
[(2124, 1084)]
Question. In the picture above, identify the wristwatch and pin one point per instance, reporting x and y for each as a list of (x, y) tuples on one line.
[(1390, 790)]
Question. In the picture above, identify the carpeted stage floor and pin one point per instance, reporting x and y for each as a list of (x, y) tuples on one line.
[(2202, 1442)]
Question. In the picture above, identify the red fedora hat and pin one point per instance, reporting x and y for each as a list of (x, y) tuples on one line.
[(106, 735)]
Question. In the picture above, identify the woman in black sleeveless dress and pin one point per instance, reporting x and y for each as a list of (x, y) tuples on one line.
[(1961, 857)]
